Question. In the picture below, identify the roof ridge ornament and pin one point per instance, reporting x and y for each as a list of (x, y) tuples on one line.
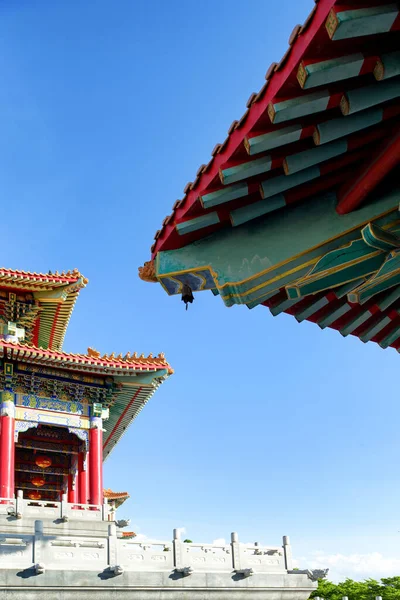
[(148, 272)]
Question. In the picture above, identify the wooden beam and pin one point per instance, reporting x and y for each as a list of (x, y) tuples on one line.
[(302, 160), (390, 338), (387, 66), (341, 265), (328, 131), (282, 183), (307, 158), (256, 209), (369, 312), (274, 139), (197, 223), (353, 193), (336, 314), (280, 307), (227, 194), (366, 97), (293, 108), (322, 72), (345, 24), (245, 170), (388, 276), (374, 329), (331, 296)]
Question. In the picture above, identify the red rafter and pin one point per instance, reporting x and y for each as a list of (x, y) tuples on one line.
[(353, 193)]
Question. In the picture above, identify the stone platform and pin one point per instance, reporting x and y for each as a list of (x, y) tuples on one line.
[(79, 554)]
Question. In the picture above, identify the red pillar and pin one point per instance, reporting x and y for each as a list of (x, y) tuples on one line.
[(96, 460), (7, 451), (83, 476)]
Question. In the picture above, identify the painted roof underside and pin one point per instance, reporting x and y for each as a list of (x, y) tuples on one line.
[(339, 66), (132, 393), (328, 109)]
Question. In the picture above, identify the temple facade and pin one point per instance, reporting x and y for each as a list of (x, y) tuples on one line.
[(297, 209), (61, 416)]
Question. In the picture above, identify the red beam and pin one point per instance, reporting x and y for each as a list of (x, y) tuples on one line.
[(353, 193)]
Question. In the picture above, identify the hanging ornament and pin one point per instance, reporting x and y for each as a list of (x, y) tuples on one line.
[(187, 294), (38, 481), (35, 495), (44, 462)]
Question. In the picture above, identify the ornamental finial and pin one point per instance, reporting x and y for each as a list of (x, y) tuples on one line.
[(93, 353), (148, 272)]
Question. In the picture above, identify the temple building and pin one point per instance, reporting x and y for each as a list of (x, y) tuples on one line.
[(61, 416), (298, 208)]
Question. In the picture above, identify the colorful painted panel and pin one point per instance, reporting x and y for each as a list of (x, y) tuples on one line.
[(44, 416), (53, 404), (58, 373)]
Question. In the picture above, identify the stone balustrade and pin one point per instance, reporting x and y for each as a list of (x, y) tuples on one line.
[(87, 559), (39, 509), (106, 549)]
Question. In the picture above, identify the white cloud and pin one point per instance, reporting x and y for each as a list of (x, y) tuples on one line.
[(219, 542), (141, 537), (354, 566)]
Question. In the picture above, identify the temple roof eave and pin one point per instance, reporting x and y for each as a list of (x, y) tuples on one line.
[(328, 106), (106, 365)]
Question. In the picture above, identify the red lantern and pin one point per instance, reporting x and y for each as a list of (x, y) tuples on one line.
[(43, 462), (35, 495), (38, 481)]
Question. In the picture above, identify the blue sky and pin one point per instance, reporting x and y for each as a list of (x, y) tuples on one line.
[(268, 427)]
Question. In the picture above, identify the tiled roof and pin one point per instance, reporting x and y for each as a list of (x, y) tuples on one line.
[(117, 497), (128, 534), (55, 295), (110, 495), (328, 61), (17, 278), (92, 361)]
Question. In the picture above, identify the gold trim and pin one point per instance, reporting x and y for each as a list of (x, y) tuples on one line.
[(277, 278), (281, 264)]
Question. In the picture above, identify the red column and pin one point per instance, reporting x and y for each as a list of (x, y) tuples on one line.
[(7, 451), (83, 476), (96, 460)]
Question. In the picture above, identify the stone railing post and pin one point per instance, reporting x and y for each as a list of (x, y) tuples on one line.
[(38, 542), (288, 553), (177, 546), (112, 545), (378, 597), (19, 504), (63, 507), (105, 511), (236, 558)]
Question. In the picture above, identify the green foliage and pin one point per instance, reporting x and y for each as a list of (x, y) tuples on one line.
[(388, 588), (187, 542)]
